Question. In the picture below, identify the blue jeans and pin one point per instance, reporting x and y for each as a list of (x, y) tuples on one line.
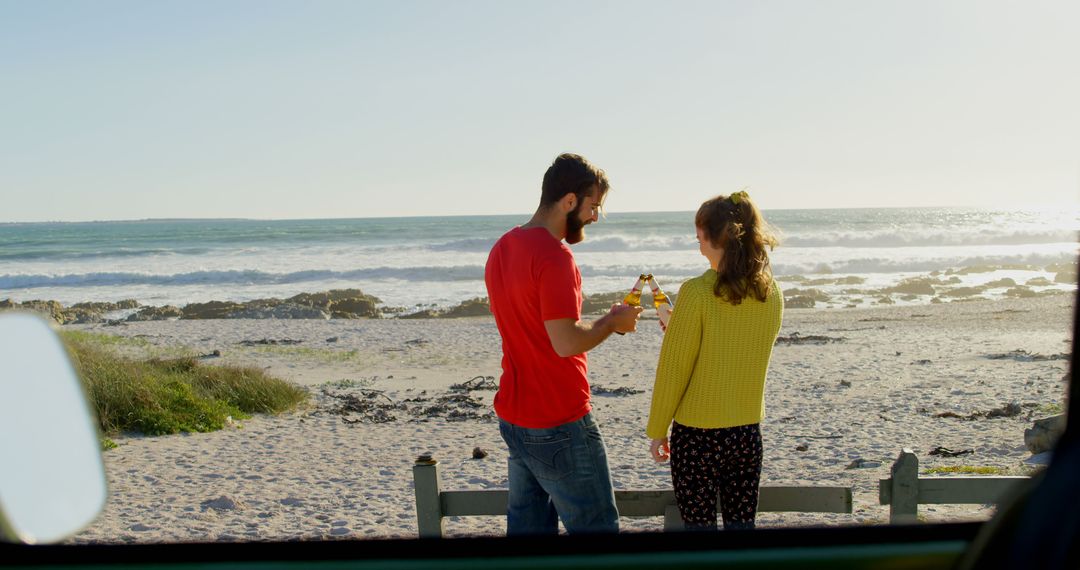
[(560, 472)]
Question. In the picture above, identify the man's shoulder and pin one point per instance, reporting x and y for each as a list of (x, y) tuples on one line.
[(535, 241)]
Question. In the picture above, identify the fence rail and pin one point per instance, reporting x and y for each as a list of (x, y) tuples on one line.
[(434, 504), (904, 491)]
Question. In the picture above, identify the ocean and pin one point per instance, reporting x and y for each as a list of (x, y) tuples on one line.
[(437, 262)]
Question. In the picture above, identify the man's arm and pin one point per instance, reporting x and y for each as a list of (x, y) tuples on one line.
[(570, 337)]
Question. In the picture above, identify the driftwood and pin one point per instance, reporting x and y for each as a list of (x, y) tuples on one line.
[(374, 406), (476, 383), (946, 452), (598, 390), (1021, 355), (1009, 410), (796, 338)]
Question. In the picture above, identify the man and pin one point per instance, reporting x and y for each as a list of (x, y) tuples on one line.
[(558, 465)]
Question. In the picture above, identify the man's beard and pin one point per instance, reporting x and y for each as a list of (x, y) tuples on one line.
[(575, 228)]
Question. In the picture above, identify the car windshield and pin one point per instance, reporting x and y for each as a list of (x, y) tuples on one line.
[(262, 230)]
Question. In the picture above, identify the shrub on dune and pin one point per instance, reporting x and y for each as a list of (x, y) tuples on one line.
[(165, 396)]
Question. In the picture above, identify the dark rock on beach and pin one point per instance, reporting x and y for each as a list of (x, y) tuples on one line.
[(1044, 433)]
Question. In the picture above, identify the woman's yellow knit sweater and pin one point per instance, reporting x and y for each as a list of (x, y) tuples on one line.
[(714, 359)]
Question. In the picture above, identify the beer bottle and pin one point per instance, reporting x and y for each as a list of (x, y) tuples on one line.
[(660, 301), (633, 298)]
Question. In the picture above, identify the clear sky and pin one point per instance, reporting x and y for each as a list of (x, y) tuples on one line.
[(316, 109)]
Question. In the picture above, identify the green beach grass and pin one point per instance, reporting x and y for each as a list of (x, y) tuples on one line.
[(162, 396), (965, 470)]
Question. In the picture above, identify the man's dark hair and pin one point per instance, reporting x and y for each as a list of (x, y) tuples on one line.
[(570, 173)]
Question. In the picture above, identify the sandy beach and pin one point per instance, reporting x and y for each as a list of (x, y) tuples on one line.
[(847, 389)]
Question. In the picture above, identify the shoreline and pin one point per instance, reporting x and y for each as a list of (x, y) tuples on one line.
[(845, 388), (800, 292)]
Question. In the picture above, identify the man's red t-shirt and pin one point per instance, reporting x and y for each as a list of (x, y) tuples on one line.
[(531, 278)]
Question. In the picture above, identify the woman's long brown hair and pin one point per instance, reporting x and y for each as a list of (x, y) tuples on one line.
[(735, 224)]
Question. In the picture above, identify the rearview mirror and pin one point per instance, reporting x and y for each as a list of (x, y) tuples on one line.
[(52, 480)]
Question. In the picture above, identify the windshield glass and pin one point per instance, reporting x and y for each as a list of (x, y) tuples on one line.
[(264, 241)]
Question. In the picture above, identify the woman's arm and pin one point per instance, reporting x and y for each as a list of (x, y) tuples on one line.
[(678, 356)]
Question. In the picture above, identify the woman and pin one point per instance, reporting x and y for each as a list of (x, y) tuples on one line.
[(711, 376)]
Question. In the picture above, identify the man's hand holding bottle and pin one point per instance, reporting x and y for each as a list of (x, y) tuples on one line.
[(624, 318)]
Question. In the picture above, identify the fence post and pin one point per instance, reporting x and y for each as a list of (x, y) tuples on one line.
[(429, 519), (673, 519), (904, 506)]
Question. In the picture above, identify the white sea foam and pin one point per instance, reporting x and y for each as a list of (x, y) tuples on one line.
[(440, 261)]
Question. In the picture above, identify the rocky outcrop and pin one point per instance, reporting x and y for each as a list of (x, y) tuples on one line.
[(1021, 292), (79, 313), (912, 286), (83, 313), (340, 303), (601, 302), (49, 309), (108, 307), (166, 312), (1065, 277), (211, 310), (992, 267), (815, 294), (1061, 266), (282, 311), (849, 280), (963, 292), (1004, 282), (477, 307), (799, 302)]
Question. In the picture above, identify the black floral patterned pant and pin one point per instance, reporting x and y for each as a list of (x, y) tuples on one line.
[(710, 462)]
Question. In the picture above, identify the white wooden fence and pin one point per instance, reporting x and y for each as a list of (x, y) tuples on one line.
[(905, 490), (433, 504)]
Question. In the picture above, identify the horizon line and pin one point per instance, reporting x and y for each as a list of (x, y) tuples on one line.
[(392, 217)]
